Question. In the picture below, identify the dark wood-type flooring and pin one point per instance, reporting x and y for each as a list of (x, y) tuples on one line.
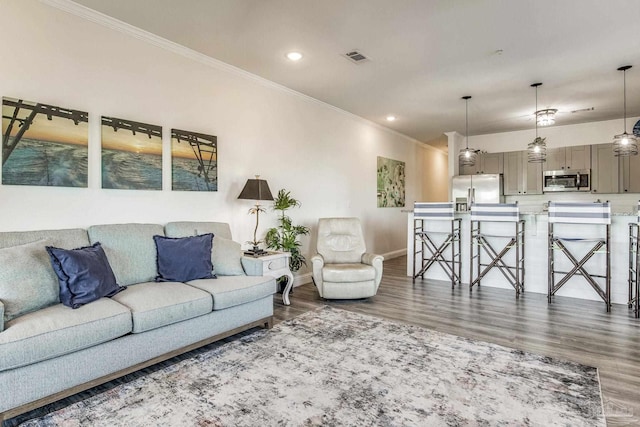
[(570, 329)]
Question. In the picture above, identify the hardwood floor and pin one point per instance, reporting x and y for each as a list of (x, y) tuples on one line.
[(570, 329)]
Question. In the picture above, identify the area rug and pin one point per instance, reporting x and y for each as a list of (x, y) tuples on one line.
[(335, 367)]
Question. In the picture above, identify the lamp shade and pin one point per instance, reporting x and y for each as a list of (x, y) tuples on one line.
[(256, 189)]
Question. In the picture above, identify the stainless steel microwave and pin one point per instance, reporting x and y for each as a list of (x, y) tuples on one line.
[(567, 180)]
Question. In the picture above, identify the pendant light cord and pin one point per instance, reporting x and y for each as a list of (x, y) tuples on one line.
[(466, 126), (536, 113), (624, 85)]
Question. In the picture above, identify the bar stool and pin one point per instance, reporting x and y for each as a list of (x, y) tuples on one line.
[(634, 261), (592, 214), (480, 243), (434, 245)]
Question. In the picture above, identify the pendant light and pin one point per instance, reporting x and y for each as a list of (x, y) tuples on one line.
[(625, 144), (467, 156), (537, 150)]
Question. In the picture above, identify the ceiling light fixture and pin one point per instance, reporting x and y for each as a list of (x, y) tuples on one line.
[(467, 156), (625, 144), (546, 117), (537, 150), (294, 56), (391, 118)]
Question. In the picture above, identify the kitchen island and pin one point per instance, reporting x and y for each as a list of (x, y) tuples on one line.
[(536, 255)]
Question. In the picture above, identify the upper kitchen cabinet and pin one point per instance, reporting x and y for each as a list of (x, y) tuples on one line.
[(520, 176), (604, 169), (576, 157), (485, 163)]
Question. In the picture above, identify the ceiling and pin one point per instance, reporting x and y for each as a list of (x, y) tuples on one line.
[(424, 55)]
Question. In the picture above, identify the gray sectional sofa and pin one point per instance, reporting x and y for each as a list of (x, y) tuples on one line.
[(56, 351)]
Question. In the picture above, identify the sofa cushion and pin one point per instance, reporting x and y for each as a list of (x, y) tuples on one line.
[(130, 250), (84, 274), (58, 330), (348, 272), (67, 238), (181, 259), (154, 304), (191, 228), (229, 291), (27, 281)]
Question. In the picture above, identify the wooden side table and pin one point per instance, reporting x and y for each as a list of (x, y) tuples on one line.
[(276, 265)]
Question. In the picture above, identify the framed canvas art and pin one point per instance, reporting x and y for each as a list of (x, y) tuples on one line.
[(43, 144), (391, 183), (131, 155), (194, 161)]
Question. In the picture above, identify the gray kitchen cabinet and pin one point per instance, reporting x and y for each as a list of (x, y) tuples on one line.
[(630, 174), (520, 176), (576, 157), (485, 163), (605, 177)]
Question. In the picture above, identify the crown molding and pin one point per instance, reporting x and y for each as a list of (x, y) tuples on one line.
[(100, 18)]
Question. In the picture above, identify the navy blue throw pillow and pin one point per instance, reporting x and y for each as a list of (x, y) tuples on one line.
[(184, 259), (84, 274)]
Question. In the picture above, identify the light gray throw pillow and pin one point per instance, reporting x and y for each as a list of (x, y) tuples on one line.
[(225, 256), (27, 281)]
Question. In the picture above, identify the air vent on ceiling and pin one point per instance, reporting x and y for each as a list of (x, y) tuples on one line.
[(356, 57)]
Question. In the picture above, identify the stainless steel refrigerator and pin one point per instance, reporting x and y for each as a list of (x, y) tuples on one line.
[(467, 189)]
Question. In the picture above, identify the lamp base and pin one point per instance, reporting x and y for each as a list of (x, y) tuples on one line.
[(255, 252)]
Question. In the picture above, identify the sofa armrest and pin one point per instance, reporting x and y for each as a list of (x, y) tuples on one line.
[(375, 261), (317, 262), (252, 266), (1, 316)]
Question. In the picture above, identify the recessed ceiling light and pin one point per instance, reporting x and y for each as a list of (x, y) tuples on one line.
[(391, 118), (294, 56)]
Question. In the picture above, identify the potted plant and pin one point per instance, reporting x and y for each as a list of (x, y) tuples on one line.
[(284, 237)]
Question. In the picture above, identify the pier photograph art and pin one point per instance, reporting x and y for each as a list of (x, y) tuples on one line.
[(131, 155), (194, 161), (43, 144)]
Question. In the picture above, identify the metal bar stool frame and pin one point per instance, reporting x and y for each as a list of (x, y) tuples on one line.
[(580, 214), (424, 240), (634, 262), (479, 243)]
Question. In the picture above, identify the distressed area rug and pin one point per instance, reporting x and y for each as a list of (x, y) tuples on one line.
[(334, 367)]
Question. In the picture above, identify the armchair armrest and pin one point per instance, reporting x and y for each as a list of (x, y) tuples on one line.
[(252, 266), (375, 261), (1, 316), (317, 262)]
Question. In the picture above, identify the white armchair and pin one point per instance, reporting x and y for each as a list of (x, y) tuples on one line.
[(343, 269)]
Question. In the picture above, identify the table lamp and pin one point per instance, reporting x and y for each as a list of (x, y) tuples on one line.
[(256, 189)]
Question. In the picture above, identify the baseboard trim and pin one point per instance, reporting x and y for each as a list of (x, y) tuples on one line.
[(395, 254)]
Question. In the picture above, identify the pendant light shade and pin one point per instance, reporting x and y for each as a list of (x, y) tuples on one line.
[(546, 117), (467, 156), (625, 144), (537, 150)]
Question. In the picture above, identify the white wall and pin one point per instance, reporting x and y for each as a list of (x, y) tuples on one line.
[(435, 175), (324, 156)]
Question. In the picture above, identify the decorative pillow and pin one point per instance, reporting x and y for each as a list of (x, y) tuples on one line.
[(84, 274), (226, 257), (27, 282), (184, 259)]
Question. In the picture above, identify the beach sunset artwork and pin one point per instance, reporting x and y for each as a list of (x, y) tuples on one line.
[(194, 161), (131, 155), (43, 144)]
